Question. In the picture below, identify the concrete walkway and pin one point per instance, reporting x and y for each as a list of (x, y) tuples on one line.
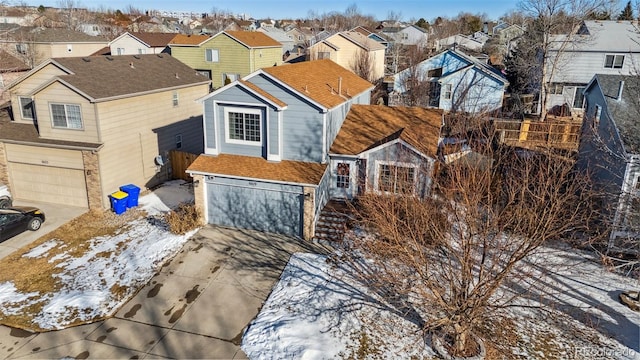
[(197, 306)]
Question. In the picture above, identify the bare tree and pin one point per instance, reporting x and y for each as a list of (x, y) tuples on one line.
[(553, 17), (362, 65), (415, 83), (442, 260)]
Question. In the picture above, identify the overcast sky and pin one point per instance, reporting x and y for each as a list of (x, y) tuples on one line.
[(280, 9)]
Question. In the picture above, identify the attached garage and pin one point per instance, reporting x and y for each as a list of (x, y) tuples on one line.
[(256, 205), (47, 174)]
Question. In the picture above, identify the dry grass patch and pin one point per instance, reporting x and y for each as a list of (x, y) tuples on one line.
[(184, 218), (36, 274)]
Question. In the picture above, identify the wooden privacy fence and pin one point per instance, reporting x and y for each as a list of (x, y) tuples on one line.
[(180, 161), (554, 133)]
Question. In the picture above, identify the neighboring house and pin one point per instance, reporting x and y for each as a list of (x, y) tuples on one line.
[(506, 33), (610, 149), (351, 50), (267, 140), (82, 127), (288, 44), (598, 47), (228, 55), (412, 35), (11, 68), (131, 43), (461, 40), (457, 82), (35, 45), (372, 35)]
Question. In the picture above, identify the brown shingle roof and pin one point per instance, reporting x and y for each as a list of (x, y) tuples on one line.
[(154, 39), (53, 35), (319, 80), (259, 168), (253, 38), (10, 63), (112, 76), (181, 39), (258, 90), (368, 126), (27, 133)]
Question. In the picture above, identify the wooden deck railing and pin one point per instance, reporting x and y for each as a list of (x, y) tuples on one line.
[(563, 133)]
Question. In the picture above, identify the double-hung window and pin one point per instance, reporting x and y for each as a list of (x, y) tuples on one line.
[(66, 116), (447, 93), (244, 126), (211, 55), (399, 179), (613, 61), (26, 108)]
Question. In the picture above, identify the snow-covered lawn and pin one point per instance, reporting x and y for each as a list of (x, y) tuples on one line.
[(317, 311), (95, 282)]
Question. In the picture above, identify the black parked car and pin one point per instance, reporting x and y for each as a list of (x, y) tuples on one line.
[(18, 219)]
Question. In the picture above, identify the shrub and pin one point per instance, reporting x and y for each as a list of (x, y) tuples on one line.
[(183, 219)]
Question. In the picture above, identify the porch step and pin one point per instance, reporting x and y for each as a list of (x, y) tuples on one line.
[(332, 223)]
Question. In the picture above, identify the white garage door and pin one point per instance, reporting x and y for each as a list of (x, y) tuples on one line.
[(48, 184)]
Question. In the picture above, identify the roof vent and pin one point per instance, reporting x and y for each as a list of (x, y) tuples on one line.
[(110, 58), (177, 77), (131, 65), (159, 55), (136, 57), (86, 59)]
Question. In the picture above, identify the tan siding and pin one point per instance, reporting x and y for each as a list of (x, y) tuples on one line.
[(130, 46), (59, 94), (131, 145), (77, 49), (44, 156), (29, 84)]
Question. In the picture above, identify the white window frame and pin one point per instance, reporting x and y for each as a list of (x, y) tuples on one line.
[(179, 141), (578, 92), (253, 111), (556, 88), (229, 75), (66, 116), (175, 98), (376, 180), (215, 58), (447, 91), (33, 110), (613, 61)]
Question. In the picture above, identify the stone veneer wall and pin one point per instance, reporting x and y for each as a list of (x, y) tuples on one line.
[(199, 196), (92, 179), (4, 170), (308, 230)]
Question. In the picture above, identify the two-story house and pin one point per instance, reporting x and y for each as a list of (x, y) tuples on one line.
[(352, 50), (452, 81), (35, 45), (279, 35), (283, 141), (132, 43), (228, 55), (84, 126), (610, 150), (598, 47)]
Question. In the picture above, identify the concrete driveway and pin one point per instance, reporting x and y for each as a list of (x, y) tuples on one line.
[(197, 306), (55, 215)]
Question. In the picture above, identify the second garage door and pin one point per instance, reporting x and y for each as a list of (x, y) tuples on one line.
[(275, 208)]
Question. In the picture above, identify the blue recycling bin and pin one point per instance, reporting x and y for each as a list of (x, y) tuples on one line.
[(119, 202), (133, 192)]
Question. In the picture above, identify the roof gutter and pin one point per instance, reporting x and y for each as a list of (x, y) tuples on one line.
[(56, 146)]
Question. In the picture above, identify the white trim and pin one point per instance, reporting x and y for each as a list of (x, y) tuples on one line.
[(227, 176), (205, 207), (281, 134), (392, 142), (324, 137), (376, 174), (230, 85), (33, 109), (227, 109)]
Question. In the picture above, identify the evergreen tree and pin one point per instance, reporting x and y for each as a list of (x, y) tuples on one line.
[(627, 12)]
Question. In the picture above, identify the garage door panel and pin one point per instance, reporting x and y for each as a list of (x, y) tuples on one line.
[(255, 208), (48, 184)]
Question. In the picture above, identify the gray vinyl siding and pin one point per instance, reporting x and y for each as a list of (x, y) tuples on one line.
[(399, 153), (191, 132), (210, 141), (580, 66), (302, 123), (274, 135)]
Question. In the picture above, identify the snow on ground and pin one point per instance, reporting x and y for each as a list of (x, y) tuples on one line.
[(128, 259), (315, 311)]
